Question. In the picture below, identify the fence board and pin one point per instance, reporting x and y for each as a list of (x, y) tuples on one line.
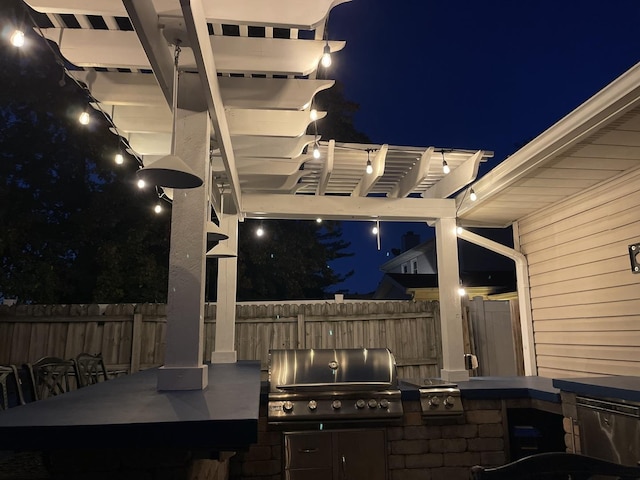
[(38, 340)]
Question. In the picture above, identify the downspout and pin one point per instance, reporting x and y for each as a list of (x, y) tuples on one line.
[(524, 304)]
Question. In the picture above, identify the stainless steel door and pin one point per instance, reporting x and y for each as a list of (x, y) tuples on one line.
[(609, 430)]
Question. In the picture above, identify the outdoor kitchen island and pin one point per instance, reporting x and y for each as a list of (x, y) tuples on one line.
[(126, 428), (416, 446)]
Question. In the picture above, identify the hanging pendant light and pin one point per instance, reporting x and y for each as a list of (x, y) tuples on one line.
[(171, 171)]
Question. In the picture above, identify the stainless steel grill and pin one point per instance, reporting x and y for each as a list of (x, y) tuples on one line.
[(439, 399), (333, 385)]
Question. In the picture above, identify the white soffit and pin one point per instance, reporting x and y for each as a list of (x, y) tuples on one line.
[(597, 141), (270, 147)]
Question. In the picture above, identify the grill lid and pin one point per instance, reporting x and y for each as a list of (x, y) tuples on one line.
[(321, 369)]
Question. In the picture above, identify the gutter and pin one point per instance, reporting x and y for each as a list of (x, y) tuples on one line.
[(522, 282)]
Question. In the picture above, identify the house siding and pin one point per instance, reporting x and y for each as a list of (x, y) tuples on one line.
[(585, 299)]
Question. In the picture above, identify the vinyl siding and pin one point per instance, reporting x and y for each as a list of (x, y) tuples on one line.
[(585, 299)]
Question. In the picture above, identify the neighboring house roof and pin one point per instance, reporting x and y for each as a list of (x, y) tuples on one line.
[(594, 143), (421, 249)]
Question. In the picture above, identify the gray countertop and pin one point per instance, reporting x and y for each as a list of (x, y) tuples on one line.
[(130, 411), (618, 387)]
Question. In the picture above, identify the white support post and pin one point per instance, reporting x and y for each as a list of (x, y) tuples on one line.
[(183, 368), (225, 351), (453, 367)]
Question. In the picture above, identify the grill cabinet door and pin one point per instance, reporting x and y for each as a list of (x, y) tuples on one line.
[(360, 455)]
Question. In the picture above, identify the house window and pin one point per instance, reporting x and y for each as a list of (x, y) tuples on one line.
[(414, 266), (405, 268)]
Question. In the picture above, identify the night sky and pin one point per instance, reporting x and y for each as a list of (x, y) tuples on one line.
[(488, 75)]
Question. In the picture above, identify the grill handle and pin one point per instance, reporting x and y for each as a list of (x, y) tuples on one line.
[(307, 450), (343, 467)]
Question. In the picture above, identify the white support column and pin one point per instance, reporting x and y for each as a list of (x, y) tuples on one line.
[(453, 368), (183, 368), (225, 351)]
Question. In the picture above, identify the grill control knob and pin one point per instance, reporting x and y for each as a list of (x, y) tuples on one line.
[(449, 401), (312, 405), (336, 404), (372, 403), (434, 402), (360, 403), (384, 403), (287, 406)]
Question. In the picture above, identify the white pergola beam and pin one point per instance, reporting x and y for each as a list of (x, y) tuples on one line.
[(123, 49), (367, 181), (277, 123), (414, 176), (306, 207), (459, 178), (260, 166), (270, 147), (147, 36), (302, 14), (199, 39), (327, 168)]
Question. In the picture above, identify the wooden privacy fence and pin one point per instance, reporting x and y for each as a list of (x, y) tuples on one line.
[(132, 337)]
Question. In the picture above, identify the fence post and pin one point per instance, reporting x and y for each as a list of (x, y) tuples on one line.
[(136, 343), (302, 334)]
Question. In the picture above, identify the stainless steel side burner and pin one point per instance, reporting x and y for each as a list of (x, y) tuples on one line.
[(333, 385), (439, 399)]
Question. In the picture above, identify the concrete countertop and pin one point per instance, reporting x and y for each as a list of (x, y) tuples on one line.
[(618, 387), (129, 412)]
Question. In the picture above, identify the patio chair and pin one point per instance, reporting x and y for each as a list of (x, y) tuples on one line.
[(51, 376), (91, 369), (10, 387), (556, 465)]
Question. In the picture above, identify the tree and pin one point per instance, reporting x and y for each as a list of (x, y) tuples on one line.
[(74, 229)]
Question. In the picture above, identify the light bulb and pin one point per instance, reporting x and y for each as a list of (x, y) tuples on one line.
[(17, 38), (157, 208), (472, 195), (326, 56), (84, 118), (119, 159), (318, 220), (313, 114), (462, 292), (459, 230), (259, 232), (141, 183), (369, 167), (445, 167), (374, 230), (316, 151)]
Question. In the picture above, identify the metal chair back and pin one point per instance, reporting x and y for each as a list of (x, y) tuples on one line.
[(51, 376), (10, 387), (91, 369)]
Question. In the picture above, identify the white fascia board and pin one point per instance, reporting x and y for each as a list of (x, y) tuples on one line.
[(332, 207), (618, 97)]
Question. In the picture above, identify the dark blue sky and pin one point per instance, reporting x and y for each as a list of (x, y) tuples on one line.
[(468, 74)]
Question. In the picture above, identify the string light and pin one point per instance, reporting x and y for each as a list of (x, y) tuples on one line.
[(326, 56), (445, 165), (17, 38), (472, 195), (119, 159), (318, 220), (369, 168), (260, 232), (84, 118), (313, 114), (462, 292), (157, 208), (141, 184), (375, 230), (316, 150)]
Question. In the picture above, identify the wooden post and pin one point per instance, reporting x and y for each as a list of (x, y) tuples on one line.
[(136, 343)]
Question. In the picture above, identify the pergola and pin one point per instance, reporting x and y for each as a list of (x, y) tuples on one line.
[(249, 71)]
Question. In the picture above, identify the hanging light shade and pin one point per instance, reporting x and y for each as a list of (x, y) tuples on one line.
[(214, 233), (221, 250), (171, 171)]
